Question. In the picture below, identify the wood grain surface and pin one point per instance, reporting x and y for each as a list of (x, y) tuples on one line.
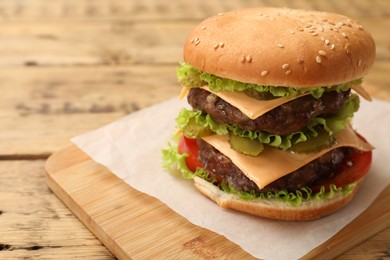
[(67, 67), (133, 225)]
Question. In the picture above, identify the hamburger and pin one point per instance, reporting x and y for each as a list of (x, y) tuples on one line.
[(272, 94)]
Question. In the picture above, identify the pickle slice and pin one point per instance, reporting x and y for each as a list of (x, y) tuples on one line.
[(314, 144), (193, 130), (245, 145), (259, 95)]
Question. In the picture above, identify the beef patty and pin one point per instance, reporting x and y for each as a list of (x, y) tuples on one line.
[(223, 170), (285, 119)]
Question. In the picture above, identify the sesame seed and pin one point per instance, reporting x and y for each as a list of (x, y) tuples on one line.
[(204, 27), (322, 38), (346, 46), (242, 59), (318, 59), (280, 45), (308, 25), (264, 73), (248, 58), (220, 14), (196, 41), (300, 29), (221, 44), (322, 53), (216, 46), (327, 42), (360, 27), (359, 62), (324, 20), (350, 163), (314, 34), (288, 72), (300, 60), (285, 66), (344, 35), (291, 31), (332, 46)]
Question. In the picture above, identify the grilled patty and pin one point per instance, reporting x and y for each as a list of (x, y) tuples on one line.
[(282, 120), (223, 170)]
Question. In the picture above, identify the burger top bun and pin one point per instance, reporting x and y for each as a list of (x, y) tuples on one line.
[(281, 47)]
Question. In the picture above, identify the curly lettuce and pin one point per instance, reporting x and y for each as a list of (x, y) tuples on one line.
[(196, 124), (172, 159), (191, 77)]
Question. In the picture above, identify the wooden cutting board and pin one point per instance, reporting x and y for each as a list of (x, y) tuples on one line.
[(134, 225)]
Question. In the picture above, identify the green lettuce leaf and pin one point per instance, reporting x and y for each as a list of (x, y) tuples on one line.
[(191, 77), (195, 124), (173, 160), (171, 157), (295, 198)]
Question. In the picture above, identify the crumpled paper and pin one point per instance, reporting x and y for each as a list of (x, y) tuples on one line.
[(131, 149)]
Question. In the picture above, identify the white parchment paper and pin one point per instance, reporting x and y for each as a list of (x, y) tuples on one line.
[(131, 149)]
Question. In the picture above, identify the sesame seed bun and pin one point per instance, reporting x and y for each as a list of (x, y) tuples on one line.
[(274, 209), (281, 47)]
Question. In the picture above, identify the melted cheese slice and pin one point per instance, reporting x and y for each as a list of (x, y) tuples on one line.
[(254, 108), (362, 92), (273, 163), (249, 106), (184, 92)]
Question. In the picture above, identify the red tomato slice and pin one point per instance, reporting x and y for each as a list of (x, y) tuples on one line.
[(190, 147), (355, 168)]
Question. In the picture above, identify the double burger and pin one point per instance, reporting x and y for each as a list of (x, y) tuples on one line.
[(272, 94)]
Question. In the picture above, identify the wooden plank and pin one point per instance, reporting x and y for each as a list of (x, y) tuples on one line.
[(377, 247), (133, 225), (129, 223), (155, 9), (34, 223), (74, 42), (41, 110), (379, 80), (370, 222), (116, 42)]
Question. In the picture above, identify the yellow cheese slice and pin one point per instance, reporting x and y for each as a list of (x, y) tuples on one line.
[(362, 92), (273, 163), (254, 108), (183, 93), (249, 106)]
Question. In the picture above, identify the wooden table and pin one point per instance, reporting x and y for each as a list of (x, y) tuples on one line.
[(67, 67)]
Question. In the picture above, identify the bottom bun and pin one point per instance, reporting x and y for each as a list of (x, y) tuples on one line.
[(274, 209)]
